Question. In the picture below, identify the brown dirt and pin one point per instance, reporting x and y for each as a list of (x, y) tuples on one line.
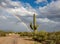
[(15, 40)]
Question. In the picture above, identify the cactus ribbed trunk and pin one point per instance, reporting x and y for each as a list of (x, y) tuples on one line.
[(34, 21)]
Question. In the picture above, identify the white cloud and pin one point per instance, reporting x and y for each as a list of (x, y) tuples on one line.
[(3, 17), (15, 3), (3, 3), (18, 8), (51, 9), (38, 1), (41, 20), (45, 20), (20, 11)]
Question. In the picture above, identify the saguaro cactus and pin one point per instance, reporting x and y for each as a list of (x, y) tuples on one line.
[(33, 25)]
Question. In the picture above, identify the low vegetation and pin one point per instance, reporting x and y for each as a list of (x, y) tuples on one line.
[(43, 37), (2, 33)]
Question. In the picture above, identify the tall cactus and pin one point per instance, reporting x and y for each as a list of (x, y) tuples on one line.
[(33, 25)]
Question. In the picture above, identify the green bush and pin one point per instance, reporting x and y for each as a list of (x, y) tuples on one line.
[(40, 36)]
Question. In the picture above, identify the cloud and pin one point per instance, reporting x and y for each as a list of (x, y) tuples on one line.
[(18, 8), (51, 11), (46, 20), (47, 16), (3, 17), (20, 11), (12, 26), (39, 1), (10, 8)]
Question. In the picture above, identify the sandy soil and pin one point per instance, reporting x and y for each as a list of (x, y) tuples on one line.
[(15, 40)]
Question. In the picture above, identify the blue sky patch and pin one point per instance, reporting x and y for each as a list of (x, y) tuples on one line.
[(33, 4)]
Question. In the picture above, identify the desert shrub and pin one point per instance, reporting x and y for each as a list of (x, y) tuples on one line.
[(54, 38), (40, 36), (28, 34), (2, 34), (52, 42), (50, 38)]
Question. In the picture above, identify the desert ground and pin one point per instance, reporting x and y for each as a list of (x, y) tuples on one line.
[(15, 39)]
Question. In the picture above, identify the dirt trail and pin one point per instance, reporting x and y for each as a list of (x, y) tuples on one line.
[(15, 40)]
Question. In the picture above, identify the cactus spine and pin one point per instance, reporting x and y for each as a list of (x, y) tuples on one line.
[(33, 25)]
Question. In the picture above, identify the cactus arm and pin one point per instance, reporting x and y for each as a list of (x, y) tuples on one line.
[(36, 27), (31, 26)]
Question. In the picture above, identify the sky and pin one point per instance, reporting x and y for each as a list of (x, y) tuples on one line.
[(16, 15)]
